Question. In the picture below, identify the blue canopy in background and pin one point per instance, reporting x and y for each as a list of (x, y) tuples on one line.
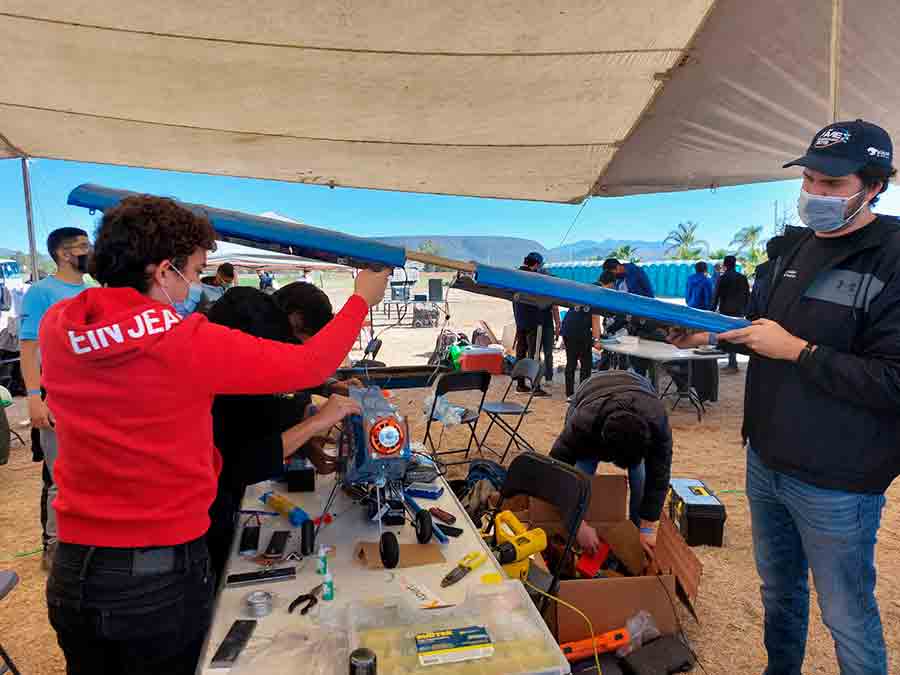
[(321, 244)]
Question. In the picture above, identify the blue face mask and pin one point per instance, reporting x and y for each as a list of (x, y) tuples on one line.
[(825, 214), (189, 304)]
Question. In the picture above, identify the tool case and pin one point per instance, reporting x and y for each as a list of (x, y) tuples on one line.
[(697, 512)]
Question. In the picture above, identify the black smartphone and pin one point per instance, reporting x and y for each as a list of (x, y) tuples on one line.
[(264, 576), (233, 644), (249, 540), (277, 544), (449, 530)]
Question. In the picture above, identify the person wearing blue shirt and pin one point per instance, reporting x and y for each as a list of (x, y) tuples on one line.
[(69, 248), (699, 294), (630, 278)]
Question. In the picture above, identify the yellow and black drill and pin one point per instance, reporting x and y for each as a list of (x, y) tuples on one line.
[(514, 544)]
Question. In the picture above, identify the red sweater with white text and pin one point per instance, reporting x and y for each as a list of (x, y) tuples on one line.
[(131, 387)]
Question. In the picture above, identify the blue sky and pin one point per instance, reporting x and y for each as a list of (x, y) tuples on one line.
[(370, 212)]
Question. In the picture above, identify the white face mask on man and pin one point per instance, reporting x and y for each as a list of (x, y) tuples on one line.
[(826, 214)]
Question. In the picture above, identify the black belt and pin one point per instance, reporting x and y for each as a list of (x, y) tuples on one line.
[(134, 561)]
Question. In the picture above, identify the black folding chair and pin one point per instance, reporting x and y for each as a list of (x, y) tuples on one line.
[(556, 483), (8, 581), (498, 410), (478, 380)]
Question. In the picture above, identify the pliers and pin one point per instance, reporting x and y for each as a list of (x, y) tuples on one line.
[(310, 598)]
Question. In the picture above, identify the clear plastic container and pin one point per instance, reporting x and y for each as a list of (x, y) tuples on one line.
[(522, 643)]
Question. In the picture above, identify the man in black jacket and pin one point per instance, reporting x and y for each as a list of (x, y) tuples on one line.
[(617, 417), (731, 296), (822, 403)]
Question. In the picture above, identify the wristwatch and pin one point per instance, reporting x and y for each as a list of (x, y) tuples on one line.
[(713, 339)]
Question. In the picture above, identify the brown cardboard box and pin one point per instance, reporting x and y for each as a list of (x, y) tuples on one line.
[(610, 602)]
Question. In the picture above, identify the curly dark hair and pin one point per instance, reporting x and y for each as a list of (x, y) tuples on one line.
[(143, 230), (252, 311)]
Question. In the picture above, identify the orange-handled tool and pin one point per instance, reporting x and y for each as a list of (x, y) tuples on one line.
[(584, 649)]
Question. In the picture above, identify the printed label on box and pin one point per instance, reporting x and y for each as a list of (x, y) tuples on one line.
[(454, 645)]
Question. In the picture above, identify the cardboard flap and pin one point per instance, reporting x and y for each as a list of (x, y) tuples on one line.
[(611, 602), (609, 497), (674, 556), (411, 555), (625, 541)]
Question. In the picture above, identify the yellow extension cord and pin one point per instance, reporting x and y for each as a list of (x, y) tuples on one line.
[(576, 610)]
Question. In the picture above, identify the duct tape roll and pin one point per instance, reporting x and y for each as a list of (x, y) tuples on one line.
[(363, 662), (259, 603)]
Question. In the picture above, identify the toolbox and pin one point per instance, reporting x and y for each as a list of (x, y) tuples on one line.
[(697, 512)]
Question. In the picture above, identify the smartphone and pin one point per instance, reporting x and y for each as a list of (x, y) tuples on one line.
[(233, 644), (449, 530), (264, 576), (249, 540), (277, 544), (442, 515)]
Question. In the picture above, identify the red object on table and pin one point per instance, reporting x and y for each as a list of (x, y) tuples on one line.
[(482, 359), (589, 565)]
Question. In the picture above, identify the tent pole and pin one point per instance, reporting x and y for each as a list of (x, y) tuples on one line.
[(836, 22), (29, 217)]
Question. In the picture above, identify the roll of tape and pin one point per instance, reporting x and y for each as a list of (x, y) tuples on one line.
[(259, 603)]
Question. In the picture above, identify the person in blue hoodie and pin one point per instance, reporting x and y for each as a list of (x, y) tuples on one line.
[(699, 293), (629, 277)]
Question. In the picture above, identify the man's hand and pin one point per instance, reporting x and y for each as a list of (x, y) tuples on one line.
[(648, 538), (336, 408), (371, 285), (685, 339), (39, 413), (587, 538), (767, 338)]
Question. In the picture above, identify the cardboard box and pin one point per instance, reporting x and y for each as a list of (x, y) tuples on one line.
[(675, 572)]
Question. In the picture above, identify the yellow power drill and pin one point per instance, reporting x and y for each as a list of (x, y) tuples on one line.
[(515, 545)]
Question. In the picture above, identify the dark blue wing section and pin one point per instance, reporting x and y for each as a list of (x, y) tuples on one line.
[(543, 289), (268, 233), (315, 242)]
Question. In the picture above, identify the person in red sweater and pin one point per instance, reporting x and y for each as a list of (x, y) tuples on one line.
[(131, 384)]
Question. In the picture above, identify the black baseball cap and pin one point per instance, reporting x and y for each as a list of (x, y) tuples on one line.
[(843, 148)]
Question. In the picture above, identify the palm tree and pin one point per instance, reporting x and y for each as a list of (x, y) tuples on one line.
[(625, 252), (750, 247), (719, 253), (683, 244)]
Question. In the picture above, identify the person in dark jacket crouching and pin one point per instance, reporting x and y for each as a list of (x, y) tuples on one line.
[(822, 402), (617, 417)]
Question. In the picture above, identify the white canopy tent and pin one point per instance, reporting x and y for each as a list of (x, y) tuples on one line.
[(521, 99)]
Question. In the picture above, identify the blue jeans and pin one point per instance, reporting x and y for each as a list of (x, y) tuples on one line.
[(636, 477), (798, 526)]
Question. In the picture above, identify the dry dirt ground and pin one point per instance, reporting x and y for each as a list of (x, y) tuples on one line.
[(728, 638)]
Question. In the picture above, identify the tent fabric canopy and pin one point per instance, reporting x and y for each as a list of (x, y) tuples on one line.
[(522, 99)]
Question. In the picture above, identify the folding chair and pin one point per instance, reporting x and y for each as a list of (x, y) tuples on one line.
[(496, 410), (8, 581), (477, 380), (556, 483)]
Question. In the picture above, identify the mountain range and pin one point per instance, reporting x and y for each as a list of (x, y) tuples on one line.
[(510, 251)]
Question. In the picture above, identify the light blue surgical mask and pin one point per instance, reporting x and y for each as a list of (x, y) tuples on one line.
[(189, 304), (825, 214)]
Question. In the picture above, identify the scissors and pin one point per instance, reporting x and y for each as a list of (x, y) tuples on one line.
[(309, 598)]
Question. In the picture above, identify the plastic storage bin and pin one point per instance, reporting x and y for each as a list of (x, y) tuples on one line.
[(522, 643)]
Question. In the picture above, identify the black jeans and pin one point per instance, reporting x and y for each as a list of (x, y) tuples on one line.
[(578, 351), (526, 345), (115, 612)]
